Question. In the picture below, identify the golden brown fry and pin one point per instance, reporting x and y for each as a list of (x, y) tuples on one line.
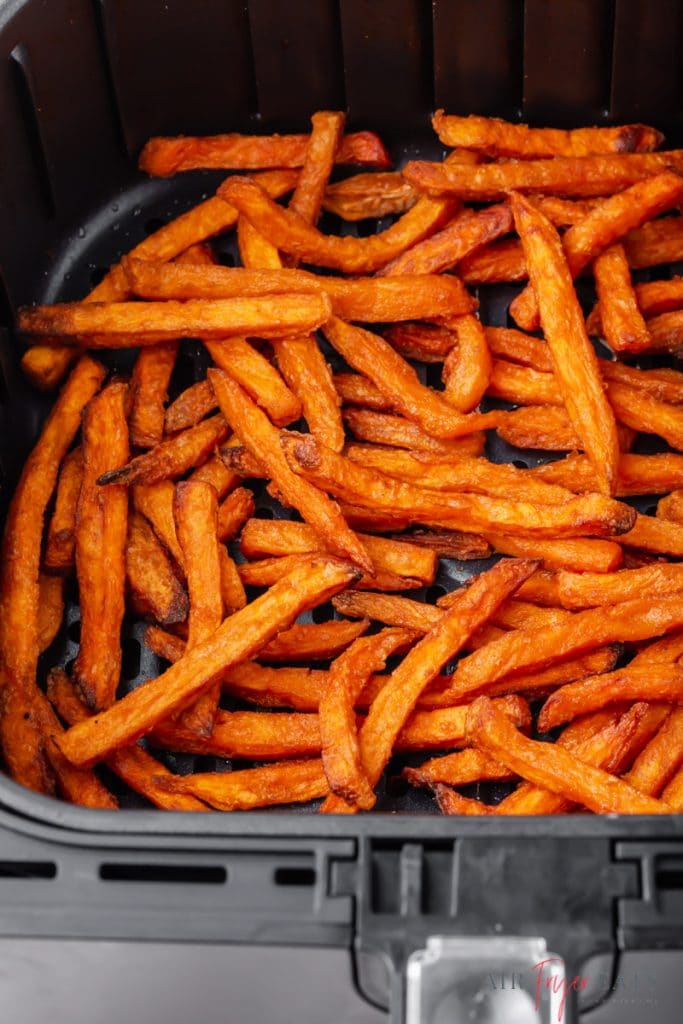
[(135, 766), (355, 389), (383, 428), (324, 141), (233, 513), (258, 377), (290, 233), (451, 802), (467, 368), (576, 366), (501, 138), (578, 554), (173, 457), (637, 474), (289, 783), (392, 706), (196, 511), (152, 582), (660, 759), (148, 394), (267, 571), (541, 588), (651, 683), (352, 482), (129, 324), (45, 366), (657, 535), (459, 769), (551, 766), (101, 532), (303, 366), (164, 156), (155, 503), (645, 413), (263, 441), (59, 546), (215, 472), (312, 641), (622, 322), (660, 241), (670, 507), (586, 590), (523, 385), (389, 609), (564, 176), (232, 590), (369, 195), (673, 794), (191, 406), (238, 638), (50, 609), (498, 261), (429, 344)]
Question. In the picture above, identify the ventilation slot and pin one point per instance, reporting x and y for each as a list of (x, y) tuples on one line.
[(669, 873), (295, 876), (183, 874), (27, 869)]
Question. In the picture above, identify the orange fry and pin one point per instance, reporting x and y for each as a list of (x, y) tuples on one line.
[(467, 368), (152, 582), (355, 389), (501, 138), (192, 405), (645, 413), (258, 377), (586, 590), (578, 554), (651, 683), (148, 393), (173, 457), (576, 366), (232, 589), (267, 571), (101, 532), (637, 474), (383, 428), (451, 543), (262, 440), (233, 513), (50, 609), (670, 507), (659, 761), (553, 767), (369, 195), (59, 546), (459, 769), (429, 344), (324, 141), (657, 535), (289, 783), (673, 794), (622, 322), (155, 503)]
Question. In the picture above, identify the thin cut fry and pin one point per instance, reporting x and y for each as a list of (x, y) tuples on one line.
[(650, 683), (312, 641), (383, 428), (586, 590), (369, 195), (459, 769), (645, 413), (670, 507), (59, 546), (290, 783), (258, 377), (191, 406), (418, 341), (467, 368), (215, 472), (673, 794), (576, 554), (155, 502), (501, 138), (451, 543), (101, 531), (553, 767), (659, 761), (323, 143), (50, 609), (622, 322), (238, 638), (637, 474), (152, 582), (267, 571), (657, 535), (148, 394), (262, 439), (576, 365), (236, 510), (232, 589), (173, 457)]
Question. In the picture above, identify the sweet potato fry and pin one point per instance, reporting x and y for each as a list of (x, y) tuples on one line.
[(129, 324), (670, 507), (323, 144), (290, 687), (650, 683), (637, 474), (164, 156), (352, 255), (347, 676), (369, 195), (101, 531), (553, 767), (522, 385), (196, 511), (215, 472), (622, 322), (476, 475), (459, 769), (164, 644), (59, 546), (541, 588), (673, 794), (604, 225), (263, 538), (645, 413), (352, 482), (587, 590), (258, 377), (389, 609), (133, 765), (289, 783), (238, 638), (392, 706), (451, 802), (262, 440), (383, 428), (191, 406), (430, 344), (173, 457), (576, 366), (155, 503), (232, 589), (312, 641), (501, 138), (266, 571), (469, 230), (20, 734), (45, 366), (148, 394), (657, 535), (654, 297), (355, 389), (660, 759), (451, 543), (564, 176), (579, 555), (152, 582), (233, 513), (467, 368), (497, 261), (666, 332), (50, 609), (660, 241), (546, 427)]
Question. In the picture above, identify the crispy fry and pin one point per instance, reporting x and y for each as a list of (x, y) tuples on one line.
[(657, 535), (289, 783), (497, 261), (45, 366), (215, 472), (155, 502), (196, 512), (564, 176), (263, 538), (670, 507), (546, 427), (232, 590), (173, 457), (451, 802), (604, 225), (59, 546), (383, 428), (541, 588), (392, 706), (352, 482), (164, 156), (622, 322), (101, 531), (323, 143), (586, 590), (233, 513), (459, 769), (551, 766), (575, 362), (149, 392), (650, 683), (312, 641), (666, 331), (352, 255), (451, 543), (50, 609), (389, 609), (152, 582), (129, 324), (656, 297), (673, 794), (369, 195), (355, 389), (637, 474), (347, 676), (523, 385), (469, 230), (258, 377), (467, 368), (263, 442), (660, 241), (418, 341), (579, 555), (659, 761), (266, 571), (645, 413), (134, 765), (191, 406), (501, 138), (239, 637)]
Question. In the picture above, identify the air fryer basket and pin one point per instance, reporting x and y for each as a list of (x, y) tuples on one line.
[(83, 84)]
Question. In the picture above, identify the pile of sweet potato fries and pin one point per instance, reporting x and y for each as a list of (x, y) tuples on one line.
[(575, 637)]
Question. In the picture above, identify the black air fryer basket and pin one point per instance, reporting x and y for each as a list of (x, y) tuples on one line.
[(83, 84)]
